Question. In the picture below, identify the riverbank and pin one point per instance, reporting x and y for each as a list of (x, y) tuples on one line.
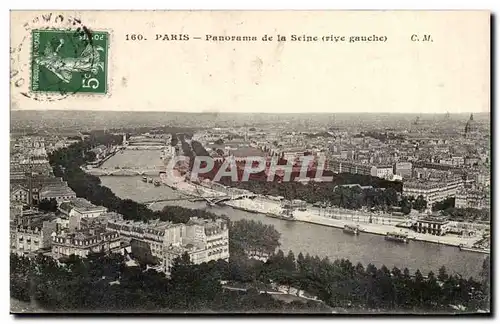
[(265, 206), (100, 162), (380, 229)]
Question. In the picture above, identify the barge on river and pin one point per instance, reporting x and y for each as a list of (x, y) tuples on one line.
[(285, 215), (474, 249), (353, 230), (397, 237)]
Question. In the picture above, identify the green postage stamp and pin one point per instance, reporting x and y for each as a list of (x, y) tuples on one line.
[(69, 61)]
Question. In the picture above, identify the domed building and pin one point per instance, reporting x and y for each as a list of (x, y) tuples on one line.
[(471, 128)]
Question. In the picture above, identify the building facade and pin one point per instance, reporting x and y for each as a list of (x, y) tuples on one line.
[(341, 166), (434, 226), (383, 171), (32, 235), (19, 194), (156, 235), (60, 192), (432, 191), (203, 241), (81, 208), (469, 198), (82, 243), (356, 167), (403, 169)]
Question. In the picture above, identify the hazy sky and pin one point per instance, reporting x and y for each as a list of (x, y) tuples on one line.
[(452, 73)]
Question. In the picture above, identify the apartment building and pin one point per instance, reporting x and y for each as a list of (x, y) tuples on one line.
[(432, 191), (19, 194), (81, 243), (60, 192), (403, 169), (470, 198), (204, 241), (82, 208), (155, 234), (32, 232), (355, 167), (344, 166), (383, 171)]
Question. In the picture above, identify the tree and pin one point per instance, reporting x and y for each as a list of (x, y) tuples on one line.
[(174, 140), (485, 281), (417, 288), (48, 205), (445, 204), (289, 262), (253, 238), (405, 205), (420, 203), (391, 197), (90, 156), (442, 275)]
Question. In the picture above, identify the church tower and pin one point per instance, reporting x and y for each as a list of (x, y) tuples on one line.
[(470, 128)]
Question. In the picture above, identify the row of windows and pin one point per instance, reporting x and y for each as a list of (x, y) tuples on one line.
[(28, 241), (213, 246), (66, 251), (219, 251), (75, 242), (429, 225), (59, 197), (217, 239), (139, 236)]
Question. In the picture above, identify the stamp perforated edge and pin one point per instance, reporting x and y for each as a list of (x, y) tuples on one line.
[(47, 94)]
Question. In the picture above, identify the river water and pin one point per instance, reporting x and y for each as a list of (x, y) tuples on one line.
[(303, 237)]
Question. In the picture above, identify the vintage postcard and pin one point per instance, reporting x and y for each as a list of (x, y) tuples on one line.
[(259, 162)]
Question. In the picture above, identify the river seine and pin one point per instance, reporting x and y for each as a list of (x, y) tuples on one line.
[(303, 237)]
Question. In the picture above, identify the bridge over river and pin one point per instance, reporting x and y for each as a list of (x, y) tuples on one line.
[(211, 200), (126, 171)]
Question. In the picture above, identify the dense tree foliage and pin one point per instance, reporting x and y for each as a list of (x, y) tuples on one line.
[(104, 283), (420, 203), (342, 284), (198, 149), (405, 205), (467, 214), (48, 205), (443, 205), (325, 192), (253, 238)]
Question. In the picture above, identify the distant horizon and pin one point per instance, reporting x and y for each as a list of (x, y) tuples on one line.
[(260, 113)]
